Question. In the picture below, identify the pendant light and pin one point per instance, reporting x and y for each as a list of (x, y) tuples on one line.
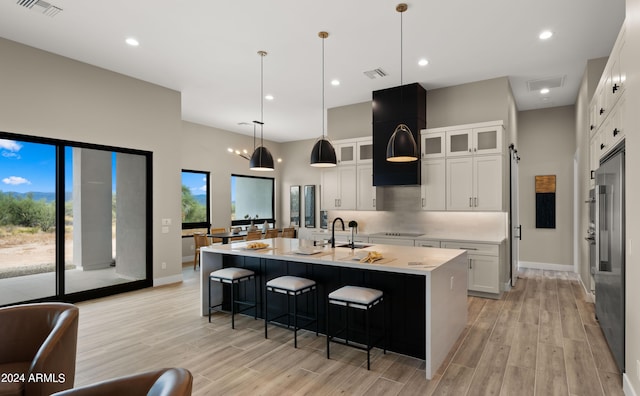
[(323, 154), (402, 146), (261, 159)]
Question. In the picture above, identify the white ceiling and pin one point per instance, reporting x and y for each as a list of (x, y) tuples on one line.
[(207, 49)]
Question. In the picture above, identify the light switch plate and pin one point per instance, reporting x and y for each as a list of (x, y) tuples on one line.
[(166, 222), (165, 230)]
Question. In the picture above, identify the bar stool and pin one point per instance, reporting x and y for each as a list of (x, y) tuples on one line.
[(358, 298), (291, 286), (233, 276)]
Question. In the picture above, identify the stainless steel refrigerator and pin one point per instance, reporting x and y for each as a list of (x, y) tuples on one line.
[(610, 252)]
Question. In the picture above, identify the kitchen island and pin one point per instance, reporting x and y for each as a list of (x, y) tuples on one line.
[(426, 288)]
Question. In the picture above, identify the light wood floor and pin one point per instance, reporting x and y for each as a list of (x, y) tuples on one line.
[(541, 339)]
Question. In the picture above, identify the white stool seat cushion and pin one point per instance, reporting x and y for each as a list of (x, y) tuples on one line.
[(290, 283), (355, 294), (231, 273)]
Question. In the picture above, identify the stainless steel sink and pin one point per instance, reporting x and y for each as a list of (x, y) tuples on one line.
[(356, 246)]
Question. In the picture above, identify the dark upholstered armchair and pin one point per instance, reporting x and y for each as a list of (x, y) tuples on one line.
[(164, 382), (38, 348)]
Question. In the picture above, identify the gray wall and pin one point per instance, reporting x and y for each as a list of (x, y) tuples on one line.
[(52, 96), (480, 101), (351, 121), (547, 145)]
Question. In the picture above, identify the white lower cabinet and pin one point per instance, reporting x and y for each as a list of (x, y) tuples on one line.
[(391, 241), (427, 243), (484, 265)]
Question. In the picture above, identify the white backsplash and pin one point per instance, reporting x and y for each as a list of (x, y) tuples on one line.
[(454, 224)]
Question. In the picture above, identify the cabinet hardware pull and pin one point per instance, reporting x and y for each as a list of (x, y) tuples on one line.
[(475, 149), (593, 175), (591, 127), (601, 111), (423, 202), (475, 201), (469, 149), (374, 202), (615, 87), (470, 264), (470, 205), (466, 248), (601, 146), (616, 131)]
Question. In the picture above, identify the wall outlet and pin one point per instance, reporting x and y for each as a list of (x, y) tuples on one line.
[(165, 230), (164, 265)]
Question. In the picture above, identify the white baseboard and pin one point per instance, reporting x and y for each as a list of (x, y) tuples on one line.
[(627, 388), (167, 280), (589, 295), (545, 266)]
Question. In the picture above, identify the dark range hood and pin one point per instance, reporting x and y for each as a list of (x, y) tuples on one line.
[(392, 106)]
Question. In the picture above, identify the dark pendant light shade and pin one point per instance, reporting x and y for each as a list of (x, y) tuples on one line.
[(323, 155), (261, 160), (402, 146)]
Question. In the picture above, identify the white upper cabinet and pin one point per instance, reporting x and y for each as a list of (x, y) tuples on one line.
[(346, 152), (364, 148), (608, 105), (349, 186), (432, 145), (459, 142), (462, 167), (476, 141), (366, 192), (433, 184)]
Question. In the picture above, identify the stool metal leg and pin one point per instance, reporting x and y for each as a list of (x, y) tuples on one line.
[(209, 300), (266, 312), (328, 333), (233, 303), (295, 321), (255, 294), (368, 330)]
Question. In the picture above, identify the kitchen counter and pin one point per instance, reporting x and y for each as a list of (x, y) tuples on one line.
[(426, 287)]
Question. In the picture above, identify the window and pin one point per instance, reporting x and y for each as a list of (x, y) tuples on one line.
[(75, 219), (195, 200), (252, 199)]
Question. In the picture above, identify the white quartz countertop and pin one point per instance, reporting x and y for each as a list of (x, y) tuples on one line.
[(400, 259)]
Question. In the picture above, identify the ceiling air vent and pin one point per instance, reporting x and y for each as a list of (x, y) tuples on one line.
[(375, 73), (40, 6), (551, 82)]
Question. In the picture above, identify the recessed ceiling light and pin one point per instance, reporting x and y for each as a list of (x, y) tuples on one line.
[(423, 62), (544, 91), (230, 150), (279, 160), (132, 42), (545, 35), (335, 83), (269, 97)]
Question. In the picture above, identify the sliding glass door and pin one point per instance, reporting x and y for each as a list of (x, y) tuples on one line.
[(74, 220), (27, 221)]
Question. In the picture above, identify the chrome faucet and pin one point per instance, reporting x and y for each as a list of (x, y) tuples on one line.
[(333, 231)]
